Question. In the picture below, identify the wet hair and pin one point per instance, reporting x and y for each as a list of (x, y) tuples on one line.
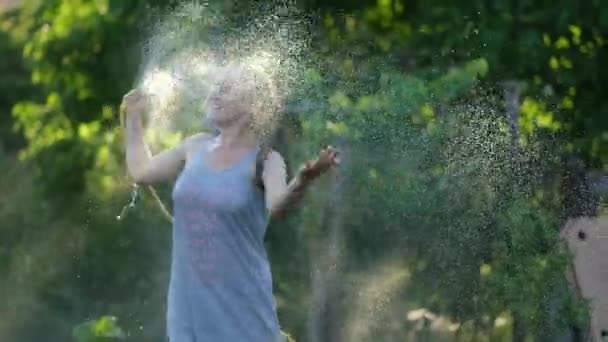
[(259, 91), (264, 115)]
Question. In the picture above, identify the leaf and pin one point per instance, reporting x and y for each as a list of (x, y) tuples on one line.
[(101, 329)]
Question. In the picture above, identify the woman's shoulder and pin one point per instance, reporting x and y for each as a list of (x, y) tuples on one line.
[(198, 138)]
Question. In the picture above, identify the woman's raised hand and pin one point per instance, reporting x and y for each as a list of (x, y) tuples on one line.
[(134, 103)]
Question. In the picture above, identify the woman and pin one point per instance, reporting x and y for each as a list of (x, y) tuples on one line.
[(221, 285)]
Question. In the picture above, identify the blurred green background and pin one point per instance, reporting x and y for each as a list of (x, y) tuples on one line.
[(467, 127)]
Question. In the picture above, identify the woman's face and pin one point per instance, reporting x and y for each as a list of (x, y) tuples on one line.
[(229, 101)]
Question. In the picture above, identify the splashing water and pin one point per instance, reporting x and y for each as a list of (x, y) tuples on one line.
[(190, 48), (428, 173)]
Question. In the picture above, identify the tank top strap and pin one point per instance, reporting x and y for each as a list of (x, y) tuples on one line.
[(249, 159)]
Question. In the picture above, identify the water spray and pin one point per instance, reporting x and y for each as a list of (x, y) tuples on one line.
[(135, 194), (160, 84)]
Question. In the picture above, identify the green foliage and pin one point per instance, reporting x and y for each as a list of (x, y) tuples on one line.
[(556, 48), (100, 330), (526, 266), (14, 84), (81, 54)]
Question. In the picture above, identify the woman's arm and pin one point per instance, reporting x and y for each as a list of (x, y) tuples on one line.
[(280, 196), (142, 166)]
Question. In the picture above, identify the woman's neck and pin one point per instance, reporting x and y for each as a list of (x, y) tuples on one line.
[(236, 136)]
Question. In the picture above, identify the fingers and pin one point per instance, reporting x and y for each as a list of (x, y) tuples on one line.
[(134, 101), (333, 156), (130, 95), (336, 160), (133, 92), (134, 95), (330, 155)]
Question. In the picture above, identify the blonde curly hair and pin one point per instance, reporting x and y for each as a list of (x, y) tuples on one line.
[(260, 93)]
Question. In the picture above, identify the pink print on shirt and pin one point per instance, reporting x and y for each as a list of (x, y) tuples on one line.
[(202, 234), (200, 206)]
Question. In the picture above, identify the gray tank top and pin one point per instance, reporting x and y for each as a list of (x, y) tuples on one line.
[(221, 286)]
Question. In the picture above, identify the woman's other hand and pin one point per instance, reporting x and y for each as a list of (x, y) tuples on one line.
[(312, 169)]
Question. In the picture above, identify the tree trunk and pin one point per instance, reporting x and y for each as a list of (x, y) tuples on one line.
[(512, 100)]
